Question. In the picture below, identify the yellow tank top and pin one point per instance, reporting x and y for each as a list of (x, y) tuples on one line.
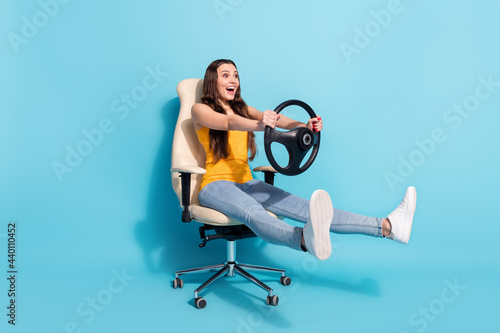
[(235, 167)]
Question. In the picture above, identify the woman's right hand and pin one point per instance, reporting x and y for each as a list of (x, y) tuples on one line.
[(269, 118)]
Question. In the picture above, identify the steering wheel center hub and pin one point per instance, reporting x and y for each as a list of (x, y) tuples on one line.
[(305, 139)]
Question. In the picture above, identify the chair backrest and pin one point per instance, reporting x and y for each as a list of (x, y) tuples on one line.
[(186, 148)]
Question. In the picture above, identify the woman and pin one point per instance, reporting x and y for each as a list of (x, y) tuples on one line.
[(225, 125)]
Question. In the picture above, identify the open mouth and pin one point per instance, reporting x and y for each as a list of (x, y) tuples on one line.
[(231, 90)]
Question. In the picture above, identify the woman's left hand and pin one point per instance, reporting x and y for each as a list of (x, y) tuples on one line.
[(315, 124)]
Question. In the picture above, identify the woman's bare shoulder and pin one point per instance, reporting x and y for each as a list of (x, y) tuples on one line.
[(204, 116), (201, 107)]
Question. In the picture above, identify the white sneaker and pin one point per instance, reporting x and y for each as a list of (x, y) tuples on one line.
[(316, 232), (401, 218)]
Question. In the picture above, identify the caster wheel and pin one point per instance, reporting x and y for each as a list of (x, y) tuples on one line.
[(285, 280), (272, 300), (200, 302), (177, 283)]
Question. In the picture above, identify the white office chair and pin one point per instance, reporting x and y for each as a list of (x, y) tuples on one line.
[(188, 161)]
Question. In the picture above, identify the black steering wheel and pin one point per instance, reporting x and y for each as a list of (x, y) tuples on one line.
[(297, 142)]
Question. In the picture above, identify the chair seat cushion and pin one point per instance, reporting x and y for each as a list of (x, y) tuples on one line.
[(214, 217)]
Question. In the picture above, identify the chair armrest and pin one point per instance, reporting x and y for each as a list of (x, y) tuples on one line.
[(269, 173), (265, 168), (188, 169)]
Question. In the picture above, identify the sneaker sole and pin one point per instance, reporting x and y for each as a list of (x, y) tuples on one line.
[(410, 213), (321, 214)]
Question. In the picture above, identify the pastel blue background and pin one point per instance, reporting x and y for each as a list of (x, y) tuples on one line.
[(116, 211)]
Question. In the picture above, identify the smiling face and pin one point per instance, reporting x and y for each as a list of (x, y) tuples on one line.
[(227, 82)]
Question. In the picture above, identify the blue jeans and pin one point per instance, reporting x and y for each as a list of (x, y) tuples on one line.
[(249, 201)]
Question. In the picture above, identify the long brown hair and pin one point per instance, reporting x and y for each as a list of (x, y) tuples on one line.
[(210, 97)]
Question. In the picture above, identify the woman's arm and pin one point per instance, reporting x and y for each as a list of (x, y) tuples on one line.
[(314, 124), (203, 115)]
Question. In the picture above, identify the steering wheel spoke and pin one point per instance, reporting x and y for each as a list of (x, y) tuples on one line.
[(285, 138), (296, 159)]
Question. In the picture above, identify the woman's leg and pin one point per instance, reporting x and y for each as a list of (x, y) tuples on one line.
[(345, 222), (278, 201), (296, 208), (228, 198)]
